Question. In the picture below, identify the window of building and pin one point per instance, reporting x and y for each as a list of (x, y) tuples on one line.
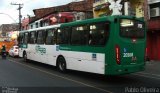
[(36, 24), (31, 26), (27, 27), (23, 27), (41, 23)]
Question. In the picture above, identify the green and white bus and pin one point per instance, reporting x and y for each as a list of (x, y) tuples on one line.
[(110, 45)]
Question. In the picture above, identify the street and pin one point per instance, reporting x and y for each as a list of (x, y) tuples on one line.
[(17, 76)]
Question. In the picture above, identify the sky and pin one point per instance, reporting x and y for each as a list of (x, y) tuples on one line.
[(9, 13)]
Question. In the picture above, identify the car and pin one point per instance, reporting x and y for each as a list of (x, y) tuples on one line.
[(13, 51)]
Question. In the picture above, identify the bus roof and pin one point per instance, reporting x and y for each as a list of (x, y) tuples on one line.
[(100, 19), (41, 28)]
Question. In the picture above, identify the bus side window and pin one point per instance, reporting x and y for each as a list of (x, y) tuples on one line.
[(50, 36), (20, 38), (79, 35), (26, 37), (35, 38), (98, 34), (63, 35), (32, 38), (40, 37), (59, 36)]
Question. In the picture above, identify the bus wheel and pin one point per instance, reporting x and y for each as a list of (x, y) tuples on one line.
[(25, 57), (61, 64)]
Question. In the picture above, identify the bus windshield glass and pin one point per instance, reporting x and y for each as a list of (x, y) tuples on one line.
[(132, 28)]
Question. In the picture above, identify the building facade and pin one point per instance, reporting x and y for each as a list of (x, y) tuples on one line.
[(25, 24), (8, 31), (119, 7), (153, 34), (59, 14)]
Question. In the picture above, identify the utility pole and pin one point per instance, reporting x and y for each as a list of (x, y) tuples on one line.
[(20, 16)]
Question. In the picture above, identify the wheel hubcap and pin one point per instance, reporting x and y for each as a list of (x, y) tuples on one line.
[(25, 57), (61, 66)]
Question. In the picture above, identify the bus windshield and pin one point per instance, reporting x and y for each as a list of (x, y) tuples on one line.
[(132, 28)]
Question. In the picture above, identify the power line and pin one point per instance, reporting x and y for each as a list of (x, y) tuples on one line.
[(20, 16), (9, 17)]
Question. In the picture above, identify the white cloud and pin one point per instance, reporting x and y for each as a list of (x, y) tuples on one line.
[(28, 6)]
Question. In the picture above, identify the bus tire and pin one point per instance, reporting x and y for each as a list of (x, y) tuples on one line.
[(61, 64), (25, 57)]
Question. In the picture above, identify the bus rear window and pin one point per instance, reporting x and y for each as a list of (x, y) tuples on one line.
[(131, 28)]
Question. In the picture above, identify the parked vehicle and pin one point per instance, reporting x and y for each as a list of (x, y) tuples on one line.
[(13, 51)]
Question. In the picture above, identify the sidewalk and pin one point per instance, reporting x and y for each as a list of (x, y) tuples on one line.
[(152, 67)]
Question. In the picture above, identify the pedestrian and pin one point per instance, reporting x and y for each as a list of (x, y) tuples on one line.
[(3, 51)]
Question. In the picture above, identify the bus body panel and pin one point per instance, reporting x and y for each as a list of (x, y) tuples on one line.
[(131, 60), (131, 52), (20, 52), (42, 53), (85, 61), (75, 60)]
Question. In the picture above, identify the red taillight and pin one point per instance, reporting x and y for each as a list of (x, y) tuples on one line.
[(146, 53), (117, 49)]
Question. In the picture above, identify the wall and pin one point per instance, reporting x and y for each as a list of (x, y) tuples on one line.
[(153, 33), (137, 5), (100, 7)]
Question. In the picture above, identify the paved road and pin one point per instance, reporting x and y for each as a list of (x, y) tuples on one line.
[(20, 77)]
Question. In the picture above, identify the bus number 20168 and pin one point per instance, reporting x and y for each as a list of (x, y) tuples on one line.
[(127, 54)]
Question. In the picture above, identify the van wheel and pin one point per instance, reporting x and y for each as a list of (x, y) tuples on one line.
[(61, 64), (25, 57)]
